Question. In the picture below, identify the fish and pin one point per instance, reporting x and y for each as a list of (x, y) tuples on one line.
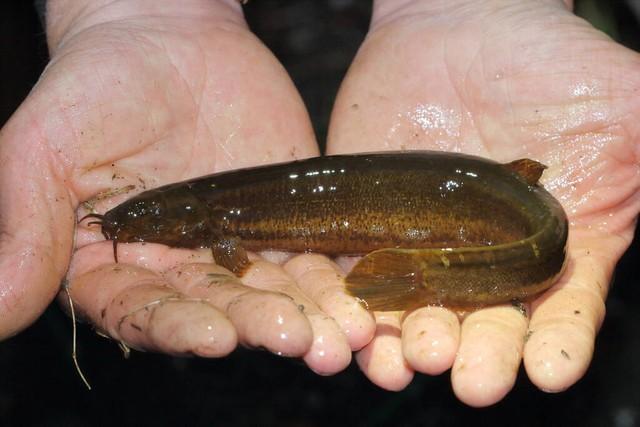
[(433, 228)]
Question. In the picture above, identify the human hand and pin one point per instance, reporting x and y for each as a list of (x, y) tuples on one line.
[(503, 80), (139, 94)]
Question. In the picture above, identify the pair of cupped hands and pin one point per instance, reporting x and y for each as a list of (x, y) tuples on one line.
[(142, 93)]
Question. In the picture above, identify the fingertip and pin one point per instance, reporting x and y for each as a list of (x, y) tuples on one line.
[(561, 337), (382, 360), (262, 319), (430, 339), (479, 390), (554, 361), (184, 327), (489, 355), (214, 338), (359, 329), (273, 322), (387, 371), (322, 281), (329, 353), (357, 323)]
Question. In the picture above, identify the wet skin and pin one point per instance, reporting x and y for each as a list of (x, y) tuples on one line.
[(445, 228)]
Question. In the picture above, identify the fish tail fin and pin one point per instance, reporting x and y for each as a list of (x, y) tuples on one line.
[(386, 280)]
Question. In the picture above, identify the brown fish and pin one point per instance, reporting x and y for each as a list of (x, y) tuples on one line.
[(435, 228)]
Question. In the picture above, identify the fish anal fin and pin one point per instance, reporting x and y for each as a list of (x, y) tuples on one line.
[(229, 253), (387, 280), (528, 169)]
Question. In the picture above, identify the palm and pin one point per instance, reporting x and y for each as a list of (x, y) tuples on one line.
[(187, 110), (132, 109), (176, 107), (508, 84)]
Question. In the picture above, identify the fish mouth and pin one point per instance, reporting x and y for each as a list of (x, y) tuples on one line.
[(99, 220), (105, 227)]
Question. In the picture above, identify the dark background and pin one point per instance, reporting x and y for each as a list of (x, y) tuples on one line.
[(316, 40)]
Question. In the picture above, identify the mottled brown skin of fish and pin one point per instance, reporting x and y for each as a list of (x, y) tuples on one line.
[(434, 227)]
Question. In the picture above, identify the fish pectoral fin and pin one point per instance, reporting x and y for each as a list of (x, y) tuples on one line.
[(387, 280), (228, 253), (528, 169)]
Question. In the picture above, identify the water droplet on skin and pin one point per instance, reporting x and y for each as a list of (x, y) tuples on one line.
[(584, 89), (426, 123), (431, 117)]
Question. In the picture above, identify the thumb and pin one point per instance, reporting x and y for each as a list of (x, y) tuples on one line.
[(36, 223)]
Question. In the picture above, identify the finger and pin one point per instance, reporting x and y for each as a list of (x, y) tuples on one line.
[(36, 224), (323, 282), (276, 257), (261, 318), (430, 339), (330, 351), (137, 307), (382, 360), (488, 359), (564, 325), (150, 256), (346, 263)]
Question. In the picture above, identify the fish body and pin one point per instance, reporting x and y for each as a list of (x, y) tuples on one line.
[(435, 228)]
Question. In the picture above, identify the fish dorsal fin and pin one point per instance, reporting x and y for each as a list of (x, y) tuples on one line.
[(528, 169)]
